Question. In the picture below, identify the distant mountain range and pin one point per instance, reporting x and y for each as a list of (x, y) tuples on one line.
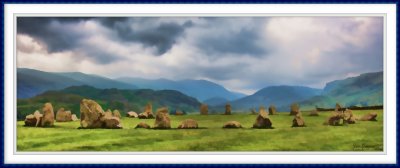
[(363, 90), (32, 82), (121, 99), (214, 101), (200, 89), (276, 95)]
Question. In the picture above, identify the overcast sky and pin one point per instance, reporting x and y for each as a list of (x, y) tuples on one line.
[(244, 54)]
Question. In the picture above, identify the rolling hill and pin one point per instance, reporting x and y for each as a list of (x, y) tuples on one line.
[(200, 89), (363, 90), (32, 82), (121, 99)]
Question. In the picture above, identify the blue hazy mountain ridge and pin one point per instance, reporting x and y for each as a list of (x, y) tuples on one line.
[(277, 95), (215, 101), (200, 89), (32, 82), (363, 90)]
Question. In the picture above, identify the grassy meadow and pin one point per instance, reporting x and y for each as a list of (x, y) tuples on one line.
[(362, 136)]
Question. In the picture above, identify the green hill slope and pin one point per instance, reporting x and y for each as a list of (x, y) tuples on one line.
[(121, 99), (363, 90)]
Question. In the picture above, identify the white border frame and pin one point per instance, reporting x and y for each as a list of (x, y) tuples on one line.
[(387, 10)]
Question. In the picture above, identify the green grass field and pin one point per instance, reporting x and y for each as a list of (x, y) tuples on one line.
[(362, 136)]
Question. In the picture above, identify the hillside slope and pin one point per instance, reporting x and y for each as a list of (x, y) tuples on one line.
[(121, 99), (32, 82), (363, 90)]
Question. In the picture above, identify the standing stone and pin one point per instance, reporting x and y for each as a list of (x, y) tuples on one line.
[(38, 117), (48, 115), (179, 112), (107, 114), (131, 114), (148, 109), (338, 107), (348, 117), (203, 109), (334, 119), (30, 120), (111, 122), (298, 121), (369, 117), (34, 120), (74, 118), (228, 109), (117, 114), (188, 124), (147, 113), (262, 120), (294, 109), (272, 110), (63, 116), (91, 114), (232, 124), (69, 115), (162, 119)]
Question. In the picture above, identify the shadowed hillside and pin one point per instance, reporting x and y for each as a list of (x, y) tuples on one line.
[(124, 100)]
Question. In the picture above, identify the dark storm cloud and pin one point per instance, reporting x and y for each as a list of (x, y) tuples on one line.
[(162, 36), (97, 55), (245, 41), (58, 35), (242, 42), (45, 29), (245, 53)]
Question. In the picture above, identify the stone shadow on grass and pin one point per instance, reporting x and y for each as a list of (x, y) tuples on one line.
[(262, 128), (178, 128), (99, 128)]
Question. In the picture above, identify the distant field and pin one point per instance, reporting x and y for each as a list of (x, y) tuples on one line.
[(362, 136)]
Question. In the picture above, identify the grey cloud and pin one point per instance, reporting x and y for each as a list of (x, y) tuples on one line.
[(352, 58), (246, 41), (98, 56), (242, 42), (162, 36), (56, 34), (45, 29), (225, 38)]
